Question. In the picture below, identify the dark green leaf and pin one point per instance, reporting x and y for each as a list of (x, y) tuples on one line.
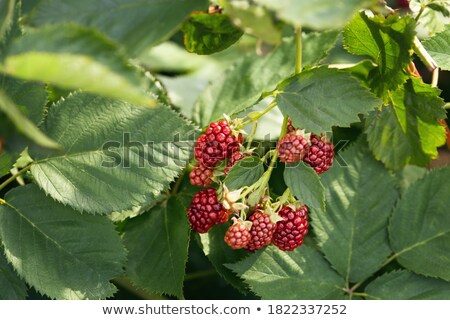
[(439, 48), (242, 84), (136, 24), (157, 243), (60, 252), (316, 14), (388, 42), (244, 173), (320, 98), (6, 162), (114, 156), (219, 253), (360, 197), (29, 97), (74, 57), (23, 124), (208, 33), (420, 226), (305, 185), (411, 123), (11, 286), (403, 285), (439, 8), (300, 274)]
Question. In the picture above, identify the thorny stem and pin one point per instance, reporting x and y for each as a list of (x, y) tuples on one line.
[(298, 46), (14, 176), (422, 9)]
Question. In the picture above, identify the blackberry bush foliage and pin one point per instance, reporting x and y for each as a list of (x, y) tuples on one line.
[(128, 152)]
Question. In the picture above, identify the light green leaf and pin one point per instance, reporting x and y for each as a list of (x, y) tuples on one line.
[(431, 21), (136, 24), (305, 185), (11, 286), (60, 252), (245, 172), (253, 19), (219, 253), (157, 243), (388, 42), (75, 57), (320, 98), (420, 226), (316, 14), (403, 285), (241, 85), (115, 156), (6, 163), (300, 274), (209, 33), (411, 123), (439, 48), (360, 197), (23, 124)]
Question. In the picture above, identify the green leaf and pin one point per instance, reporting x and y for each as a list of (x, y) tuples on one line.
[(11, 286), (431, 21), (300, 274), (219, 253), (408, 175), (403, 285), (439, 48), (75, 57), (360, 197), (29, 97), (411, 123), (420, 226), (60, 252), (206, 33), (388, 42), (320, 98), (157, 243), (136, 24), (305, 185), (253, 19), (6, 162), (6, 16), (439, 8), (316, 14), (23, 124), (242, 84), (244, 173), (114, 157)]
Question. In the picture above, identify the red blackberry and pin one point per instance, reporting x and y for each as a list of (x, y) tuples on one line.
[(320, 155), (261, 231), (293, 146), (292, 229), (233, 159), (237, 235), (218, 143), (205, 211), (201, 176)]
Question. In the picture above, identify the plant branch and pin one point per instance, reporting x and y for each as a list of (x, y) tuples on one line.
[(298, 46), (259, 115), (423, 55), (15, 176), (126, 284), (251, 135)]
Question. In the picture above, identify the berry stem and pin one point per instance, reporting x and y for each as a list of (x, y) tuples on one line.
[(175, 188), (15, 176), (423, 55), (298, 46), (255, 118), (251, 135)]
